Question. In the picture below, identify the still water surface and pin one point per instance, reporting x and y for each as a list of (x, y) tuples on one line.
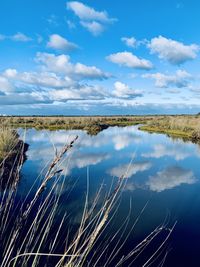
[(158, 168)]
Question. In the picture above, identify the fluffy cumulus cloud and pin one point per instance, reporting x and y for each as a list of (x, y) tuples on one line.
[(78, 92), (129, 41), (128, 170), (122, 90), (169, 178), (85, 12), (59, 43), (41, 79), (180, 79), (173, 51), (127, 59), (94, 21), (57, 81), (62, 64)]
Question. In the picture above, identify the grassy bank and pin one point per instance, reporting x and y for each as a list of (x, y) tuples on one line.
[(12, 155), (93, 125), (8, 141), (184, 126)]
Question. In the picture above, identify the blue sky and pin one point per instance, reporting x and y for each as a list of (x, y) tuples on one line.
[(99, 57)]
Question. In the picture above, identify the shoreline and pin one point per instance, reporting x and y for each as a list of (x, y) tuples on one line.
[(171, 133), (93, 125), (11, 163), (180, 126)]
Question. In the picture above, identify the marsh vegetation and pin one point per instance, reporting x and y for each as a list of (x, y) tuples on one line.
[(185, 126), (8, 141), (93, 125)]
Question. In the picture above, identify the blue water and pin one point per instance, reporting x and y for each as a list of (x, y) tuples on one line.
[(157, 168)]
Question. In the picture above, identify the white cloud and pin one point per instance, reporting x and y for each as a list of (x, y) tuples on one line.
[(173, 51), (130, 42), (10, 73), (77, 92), (57, 81), (129, 60), (180, 79), (94, 27), (45, 87), (5, 85), (122, 90), (43, 79), (94, 21), (128, 170), (170, 178), (20, 37), (90, 72), (61, 64), (59, 43), (42, 96), (85, 12)]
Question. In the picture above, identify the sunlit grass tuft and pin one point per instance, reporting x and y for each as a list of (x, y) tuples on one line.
[(8, 141)]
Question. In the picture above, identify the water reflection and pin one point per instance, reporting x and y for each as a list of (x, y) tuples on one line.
[(117, 152), (128, 170), (155, 166), (176, 150), (169, 178)]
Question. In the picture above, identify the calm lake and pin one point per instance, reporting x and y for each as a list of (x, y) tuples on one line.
[(158, 169)]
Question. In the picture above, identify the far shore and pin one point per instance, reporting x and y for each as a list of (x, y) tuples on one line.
[(182, 126)]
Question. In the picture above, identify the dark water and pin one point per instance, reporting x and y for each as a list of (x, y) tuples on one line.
[(160, 170)]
